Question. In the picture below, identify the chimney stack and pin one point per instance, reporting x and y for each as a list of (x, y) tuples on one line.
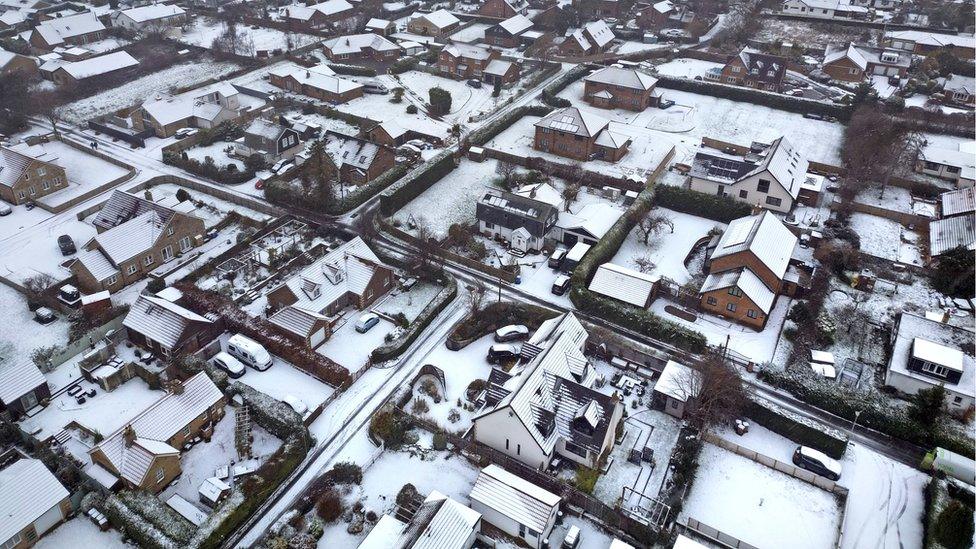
[(130, 435)]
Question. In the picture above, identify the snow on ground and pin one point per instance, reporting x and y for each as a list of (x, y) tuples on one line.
[(648, 148), (410, 302), (20, 334), (140, 89), (470, 34), (106, 45), (887, 239), (643, 428), (633, 46), (380, 109), (757, 346), (897, 199), (81, 532), (686, 67), (452, 199), (218, 151), (203, 30), (104, 413), (350, 348), (537, 279), (695, 116), (325, 122), (667, 250), (200, 462), (465, 100), (85, 172), (460, 369), (210, 208), (760, 505)]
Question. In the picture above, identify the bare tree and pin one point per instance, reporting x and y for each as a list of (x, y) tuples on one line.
[(425, 257), (570, 194), (714, 393), (507, 172), (877, 148), (36, 285), (477, 293), (644, 263), (46, 103), (652, 223)]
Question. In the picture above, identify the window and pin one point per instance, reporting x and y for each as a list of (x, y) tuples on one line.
[(751, 313), (956, 401), (763, 186), (711, 300), (672, 402), (185, 244), (31, 535), (735, 291), (41, 172), (12, 542), (167, 253), (773, 201), (31, 191), (730, 307), (21, 195), (730, 79), (112, 280), (170, 231), (45, 185), (132, 269), (736, 69), (743, 194), (506, 444), (518, 449), (159, 475), (148, 260), (935, 369)]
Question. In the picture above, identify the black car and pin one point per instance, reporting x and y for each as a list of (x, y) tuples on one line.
[(474, 83), (502, 352), (816, 462), (66, 244)]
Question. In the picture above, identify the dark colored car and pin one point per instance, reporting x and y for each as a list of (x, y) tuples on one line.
[(556, 259), (502, 352), (67, 245), (474, 83), (816, 462)]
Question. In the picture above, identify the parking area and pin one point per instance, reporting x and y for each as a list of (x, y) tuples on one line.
[(350, 348)]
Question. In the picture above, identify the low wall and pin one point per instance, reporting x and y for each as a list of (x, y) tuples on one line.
[(920, 222), (714, 534)]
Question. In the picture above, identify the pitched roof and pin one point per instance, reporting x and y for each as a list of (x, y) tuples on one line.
[(355, 43), (627, 78), (862, 55), (956, 83), (322, 80), (264, 128), (131, 238), (952, 232), (624, 284), (676, 381), (156, 425), (932, 39), (160, 320), (27, 491), (468, 51), (497, 67), (13, 164), (123, 206), (514, 497), (296, 320), (931, 339), (352, 151), (94, 66), (56, 31), (785, 163), (441, 18), (520, 205), (957, 202), (764, 235), (18, 375), (97, 264), (747, 281), (575, 121), (153, 12), (766, 67), (599, 32), (516, 24)]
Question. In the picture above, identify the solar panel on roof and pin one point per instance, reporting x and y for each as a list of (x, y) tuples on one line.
[(736, 234)]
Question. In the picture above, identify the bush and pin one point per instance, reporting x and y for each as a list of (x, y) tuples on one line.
[(403, 65), (954, 526), (474, 388), (411, 109), (420, 406), (406, 495), (389, 428), (955, 273), (440, 441), (440, 302), (329, 506), (709, 206), (406, 189), (352, 70), (155, 284), (494, 316), (440, 101), (346, 473), (586, 479)]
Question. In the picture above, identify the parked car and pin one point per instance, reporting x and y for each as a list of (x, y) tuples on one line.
[(366, 322), (501, 352), (67, 245), (572, 539), (5, 209), (556, 259), (29, 206), (282, 166), (560, 285), (375, 87), (816, 462), (183, 133), (511, 332), (474, 83), (43, 315), (420, 144), (229, 364), (250, 352), (296, 404)]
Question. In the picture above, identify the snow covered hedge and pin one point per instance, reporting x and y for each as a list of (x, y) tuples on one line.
[(146, 519), (494, 316), (353, 70), (552, 90), (797, 428), (487, 132), (274, 416), (396, 347), (709, 206), (412, 186)]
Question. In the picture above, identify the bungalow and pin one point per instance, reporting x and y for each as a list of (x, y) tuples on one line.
[(927, 353), (438, 23), (145, 452), (22, 386), (676, 390), (619, 88), (515, 506), (32, 502), (546, 406), (151, 17), (825, 9), (579, 135), (14, 19), (319, 82), (28, 173), (359, 161), (754, 69), (135, 236), (507, 34), (595, 37), (339, 13), (397, 132), (503, 9), (439, 523), (11, 63), (501, 72), (924, 43), (960, 90), (350, 275), (382, 27), (521, 220), (73, 29), (855, 63), (957, 165), (360, 47), (623, 284), (952, 232), (70, 74), (769, 176), (748, 268), (270, 141), (464, 61), (165, 328)]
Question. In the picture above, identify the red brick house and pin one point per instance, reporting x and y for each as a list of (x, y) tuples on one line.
[(166, 328), (22, 386), (656, 16), (617, 88), (464, 61), (582, 136), (357, 47), (507, 34), (70, 30), (319, 82), (595, 37), (503, 9), (316, 16), (436, 23), (754, 69), (503, 72), (856, 63), (359, 161), (28, 173)]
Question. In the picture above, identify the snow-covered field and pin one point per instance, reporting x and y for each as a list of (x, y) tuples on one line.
[(42, 241), (203, 30), (452, 199), (686, 67), (896, 199), (760, 505), (666, 249), (410, 302), (350, 348), (380, 109), (20, 334), (82, 532), (887, 239), (140, 89), (85, 171)]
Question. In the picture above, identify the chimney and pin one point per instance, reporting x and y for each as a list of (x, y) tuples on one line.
[(129, 434), (945, 316), (176, 387), (757, 209)]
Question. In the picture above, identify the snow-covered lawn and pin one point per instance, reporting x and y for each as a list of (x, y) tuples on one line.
[(409, 302), (666, 249), (452, 199), (41, 240), (896, 199), (465, 100), (350, 348), (760, 505), (380, 109), (686, 67), (203, 30), (471, 34), (643, 428), (209, 208), (460, 369), (219, 152), (85, 172), (201, 461), (81, 532), (104, 413), (106, 45), (887, 239), (325, 122), (20, 334), (757, 346), (695, 116), (633, 46), (140, 89)]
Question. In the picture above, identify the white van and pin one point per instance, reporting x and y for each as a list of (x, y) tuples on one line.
[(375, 87), (250, 352)]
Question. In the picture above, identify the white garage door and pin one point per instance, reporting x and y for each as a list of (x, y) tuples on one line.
[(317, 337), (48, 520)]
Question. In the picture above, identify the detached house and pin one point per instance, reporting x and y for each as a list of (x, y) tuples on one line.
[(575, 134), (595, 37), (359, 47), (202, 108), (545, 406), (316, 16), (960, 90), (749, 267), (439, 523), (855, 63), (507, 34), (754, 69), (657, 15), (319, 82), (924, 43), (769, 176), (515, 506), (69, 30), (270, 141), (464, 61), (350, 275), (359, 161), (166, 328), (11, 63), (521, 220), (503, 9), (151, 17), (958, 165), (135, 237), (68, 74), (22, 386), (438, 23), (617, 88), (28, 173), (32, 502), (382, 27), (145, 452), (826, 9)]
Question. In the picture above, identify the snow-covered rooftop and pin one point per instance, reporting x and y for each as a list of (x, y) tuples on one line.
[(627, 78), (160, 320), (952, 232), (27, 491), (747, 281), (624, 284), (55, 31), (441, 18), (18, 375), (94, 66), (153, 12), (514, 498), (764, 235), (676, 381), (936, 342)]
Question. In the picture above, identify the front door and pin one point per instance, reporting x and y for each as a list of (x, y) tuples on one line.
[(520, 241)]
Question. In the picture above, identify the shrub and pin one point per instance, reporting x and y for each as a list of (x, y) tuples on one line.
[(474, 388), (586, 479), (346, 473), (353, 70), (440, 302), (954, 526), (316, 528), (329, 506), (388, 427), (403, 65), (710, 206), (182, 195), (954, 273), (411, 109), (155, 284), (440, 101), (440, 441), (406, 189), (454, 415), (420, 406), (406, 495)]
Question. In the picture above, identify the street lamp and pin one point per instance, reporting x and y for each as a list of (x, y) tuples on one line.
[(857, 414)]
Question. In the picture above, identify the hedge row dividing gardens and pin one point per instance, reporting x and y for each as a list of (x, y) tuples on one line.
[(440, 302), (282, 193), (709, 206), (757, 97), (618, 312), (406, 189), (489, 131), (798, 429), (550, 92)]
